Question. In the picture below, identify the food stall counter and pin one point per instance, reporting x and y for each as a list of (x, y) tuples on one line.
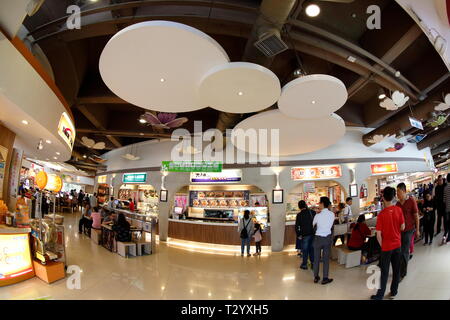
[(210, 232), (15, 255)]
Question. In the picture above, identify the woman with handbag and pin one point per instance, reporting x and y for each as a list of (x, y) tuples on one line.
[(245, 230)]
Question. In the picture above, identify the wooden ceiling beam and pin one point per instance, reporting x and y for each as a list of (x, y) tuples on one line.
[(118, 133), (103, 99), (85, 111)]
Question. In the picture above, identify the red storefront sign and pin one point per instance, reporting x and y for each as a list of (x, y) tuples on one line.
[(315, 173), (382, 168)]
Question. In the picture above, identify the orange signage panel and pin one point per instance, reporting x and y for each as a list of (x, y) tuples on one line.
[(315, 173), (382, 168)]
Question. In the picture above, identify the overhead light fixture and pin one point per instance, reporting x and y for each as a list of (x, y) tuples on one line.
[(25, 122), (398, 74), (352, 59), (313, 102), (56, 158), (40, 145), (58, 153), (313, 10), (162, 80), (84, 156), (48, 141), (381, 94), (141, 120), (141, 134), (240, 93)]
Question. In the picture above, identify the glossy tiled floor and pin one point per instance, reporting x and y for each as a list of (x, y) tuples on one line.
[(174, 273)]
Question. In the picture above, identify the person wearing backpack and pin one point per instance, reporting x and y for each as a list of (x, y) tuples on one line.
[(305, 231), (245, 229)]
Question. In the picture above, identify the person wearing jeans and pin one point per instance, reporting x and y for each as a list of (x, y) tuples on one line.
[(305, 232), (323, 239), (390, 223), (412, 225), (245, 230)]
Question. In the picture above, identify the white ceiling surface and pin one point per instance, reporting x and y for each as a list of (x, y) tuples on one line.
[(135, 60), (239, 87), (25, 96), (312, 96), (12, 14), (296, 136), (152, 153)]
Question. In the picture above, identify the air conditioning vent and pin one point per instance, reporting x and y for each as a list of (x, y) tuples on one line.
[(270, 44)]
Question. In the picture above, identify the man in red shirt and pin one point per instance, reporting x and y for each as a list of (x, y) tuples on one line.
[(411, 215), (390, 223), (131, 205)]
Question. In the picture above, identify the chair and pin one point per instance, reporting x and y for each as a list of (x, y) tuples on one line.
[(126, 249)]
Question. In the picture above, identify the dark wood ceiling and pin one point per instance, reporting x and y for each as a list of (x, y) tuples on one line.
[(100, 115)]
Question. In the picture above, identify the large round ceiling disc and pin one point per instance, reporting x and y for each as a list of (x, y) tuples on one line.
[(158, 65), (312, 96), (239, 87), (296, 136)]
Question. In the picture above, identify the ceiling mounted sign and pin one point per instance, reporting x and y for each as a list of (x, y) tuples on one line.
[(66, 130), (312, 96), (296, 136), (134, 177), (226, 176), (158, 65), (191, 166), (382, 168), (239, 87), (316, 173)]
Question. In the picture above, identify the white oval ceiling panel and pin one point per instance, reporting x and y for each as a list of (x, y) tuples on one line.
[(296, 136), (312, 96), (158, 65), (239, 87)]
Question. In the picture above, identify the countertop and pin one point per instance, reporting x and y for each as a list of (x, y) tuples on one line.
[(4, 229)]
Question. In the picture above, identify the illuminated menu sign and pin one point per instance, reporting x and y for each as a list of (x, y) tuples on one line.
[(66, 130), (226, 176), (382, 168), (15, 257), (316, 173), (134, 178)]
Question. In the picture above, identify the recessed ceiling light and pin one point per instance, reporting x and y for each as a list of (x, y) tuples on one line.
[(85, 156), (313, 102), (58, 153), (352, 59), (437, 128), (56, 158), (141, 134), (142, 120), (240, 93), (162, 79), (48, 141), (313, 10), (24, 121)]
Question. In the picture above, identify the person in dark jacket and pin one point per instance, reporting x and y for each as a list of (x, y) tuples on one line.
[(305, 231), (439, 204), (122, 229), (429, 218)]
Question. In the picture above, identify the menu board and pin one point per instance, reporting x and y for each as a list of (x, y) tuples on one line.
[(219, 199), (15, 257)]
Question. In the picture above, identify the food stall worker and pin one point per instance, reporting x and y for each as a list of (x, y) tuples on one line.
[(347, 212)]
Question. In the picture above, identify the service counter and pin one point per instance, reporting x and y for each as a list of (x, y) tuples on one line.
[(15, 255), (224, 233)]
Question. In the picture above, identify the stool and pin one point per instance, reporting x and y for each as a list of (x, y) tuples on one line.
[(96, 236), (335, 252), (349, 258), (126, 249), (143, 248)]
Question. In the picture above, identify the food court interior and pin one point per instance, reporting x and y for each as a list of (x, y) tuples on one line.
[(135, 138)]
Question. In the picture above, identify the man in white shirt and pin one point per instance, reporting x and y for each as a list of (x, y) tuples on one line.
[(93, 200), (347, 212), (323, 222)]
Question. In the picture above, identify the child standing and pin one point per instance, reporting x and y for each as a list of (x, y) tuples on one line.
[(258, 238)]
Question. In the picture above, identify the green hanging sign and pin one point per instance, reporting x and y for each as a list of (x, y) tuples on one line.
[(191, 166), (134, 178)]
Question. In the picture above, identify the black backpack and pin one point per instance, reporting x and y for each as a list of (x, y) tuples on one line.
[(244, 233)]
